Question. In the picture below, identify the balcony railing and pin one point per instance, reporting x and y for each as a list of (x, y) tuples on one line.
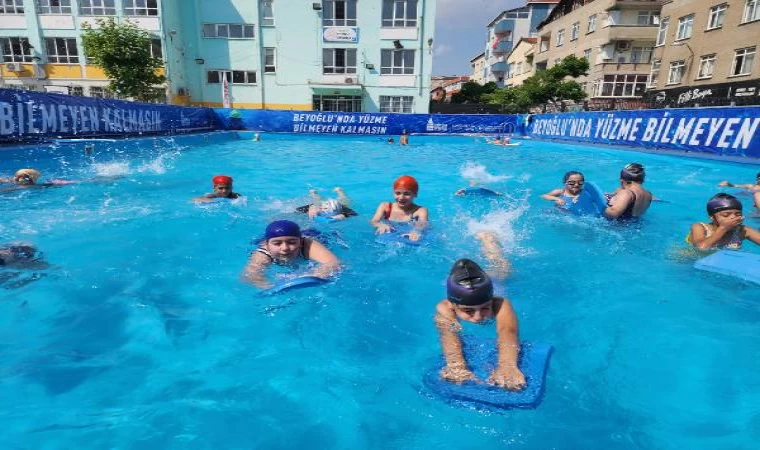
[(499, 67), (502, 26), (503, 47)]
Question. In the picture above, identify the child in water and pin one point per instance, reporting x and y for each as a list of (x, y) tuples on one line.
[(336, 209), (574, 182), (726, 230), (631, 200), (284, 244), (222, 186), (404, 138), (752, 188), (402, 210), (27, 178), (470, 298)]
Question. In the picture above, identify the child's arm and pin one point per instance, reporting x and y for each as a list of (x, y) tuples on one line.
[(254, 270), (329, 265), (342, 197), (419, 225), (507, 374), (752, 234), (553, 196), (448, 329), (618, 204), (377, 219), (727, 183), (701, 241)]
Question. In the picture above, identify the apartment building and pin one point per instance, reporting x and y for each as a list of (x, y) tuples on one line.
[(705, 54), (617, 37), (478, 65), (520, 61), (328, 55), (42, 47), (507, 29)]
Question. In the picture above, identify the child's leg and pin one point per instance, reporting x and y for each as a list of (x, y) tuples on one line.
[(491, 248), (757, 199), (315, 198), (342, 197)]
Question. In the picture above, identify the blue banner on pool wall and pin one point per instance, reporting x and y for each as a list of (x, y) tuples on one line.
[(721, 131), (364, 123), (29, 116)]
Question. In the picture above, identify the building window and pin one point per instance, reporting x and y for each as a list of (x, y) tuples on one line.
[(396, 104), (591, 23), (751, 11), (76, 90), (343, 103), (233, 76), (338, 60), (267, 13), (141, 7), (685, 26), (54, 6), (743, 59), (560, 37), (62, 50), (654, 73), (587, 54), (543, 45), (339, 13), (641, 54), (399, 13), (155, 49), (12, 7), (675, 75), (575, 30), (717, 14), (662, 33), (101, 92), (706, 66), (97, 8), (396, 62), (269, 60), (648, 18), (228, 31), (16, 49), (621, 86)]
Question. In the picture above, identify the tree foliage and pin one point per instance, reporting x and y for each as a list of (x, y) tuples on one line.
[(122, 50), (472, 92), (546, 86)]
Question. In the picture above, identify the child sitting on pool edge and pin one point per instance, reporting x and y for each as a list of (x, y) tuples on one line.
[(222, 186), (336, 209), (470, 298), (726, 231), (284, 244), (402, 210)]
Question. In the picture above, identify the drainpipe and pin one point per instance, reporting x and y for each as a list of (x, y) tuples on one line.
[(262, 58), (422, 41)]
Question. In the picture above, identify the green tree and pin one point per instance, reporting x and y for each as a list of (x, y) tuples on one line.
[(472, 92), (123, 52), (546, 86)]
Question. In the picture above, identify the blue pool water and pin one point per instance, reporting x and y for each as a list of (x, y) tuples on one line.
[(140, 334)]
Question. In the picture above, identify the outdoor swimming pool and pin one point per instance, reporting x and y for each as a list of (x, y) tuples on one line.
[(140, 334)]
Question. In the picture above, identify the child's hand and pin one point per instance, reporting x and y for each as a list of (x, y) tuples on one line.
[(730, 222), (339, 217), (723, 184), (460, 193), (457, 374), (383, 228), (413, 236), (508, 377), (560, 202)]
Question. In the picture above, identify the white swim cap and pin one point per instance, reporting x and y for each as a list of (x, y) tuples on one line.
[(330, 208)]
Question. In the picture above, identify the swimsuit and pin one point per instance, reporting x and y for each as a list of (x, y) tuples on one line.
[(389, 209), (734, 242), (268, 254), (628, 213)]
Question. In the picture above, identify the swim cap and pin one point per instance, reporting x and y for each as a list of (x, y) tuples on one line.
[(570, 174), (722, 202), (33, 174), (282, 228), (468, 284), (633, 172), (408, 183), (330, 207), (221, 179)]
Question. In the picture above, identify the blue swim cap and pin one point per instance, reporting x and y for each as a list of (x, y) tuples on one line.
[(468, 284), (722, 202), (281, 228)]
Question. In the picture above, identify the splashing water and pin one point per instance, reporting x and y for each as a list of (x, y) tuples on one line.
[(479, 173)]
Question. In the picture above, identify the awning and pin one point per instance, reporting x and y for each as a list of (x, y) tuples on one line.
[(337, 88)]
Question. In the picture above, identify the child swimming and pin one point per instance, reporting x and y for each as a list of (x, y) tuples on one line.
[(470, 298), (752, 188), (27, 178), (404, 138), (630, 200), (335, 209), (284, 244), (726, 230), (573, 182), (222, 186), (402, 210)]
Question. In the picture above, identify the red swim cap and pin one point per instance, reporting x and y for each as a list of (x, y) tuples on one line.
[(406, 182), (221, 179)]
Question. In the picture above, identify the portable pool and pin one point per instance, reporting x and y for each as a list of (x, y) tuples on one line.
[(140, 333)]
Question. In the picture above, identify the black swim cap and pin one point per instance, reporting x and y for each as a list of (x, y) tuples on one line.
[(633, 172), (570, 174), (468, 284), (722, 202)]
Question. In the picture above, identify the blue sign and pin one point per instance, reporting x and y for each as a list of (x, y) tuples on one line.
[(721, 131), (27, 116), (365, 123)]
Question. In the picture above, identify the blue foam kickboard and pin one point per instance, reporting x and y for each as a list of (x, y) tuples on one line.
[(481, 355), (294, 283), (484, 192), (734, 263), (591, 201), (397, 237)]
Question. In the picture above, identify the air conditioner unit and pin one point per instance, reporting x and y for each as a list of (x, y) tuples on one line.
[(623, 45), (13, 67), (350, 80)]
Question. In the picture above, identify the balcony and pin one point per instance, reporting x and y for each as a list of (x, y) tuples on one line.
[(503, 47), (503, 26), (634, 4), (499, 67), (629, 33)]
